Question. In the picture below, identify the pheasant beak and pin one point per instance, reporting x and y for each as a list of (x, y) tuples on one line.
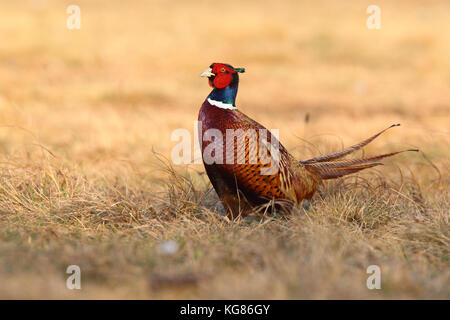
[(207, 73)]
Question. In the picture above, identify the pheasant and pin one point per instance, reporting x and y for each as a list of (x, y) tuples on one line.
[(241, 174)]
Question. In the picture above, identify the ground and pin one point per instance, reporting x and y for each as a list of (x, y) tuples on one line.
[(86, 176)]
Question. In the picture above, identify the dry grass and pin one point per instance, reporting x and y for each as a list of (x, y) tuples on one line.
[(81, 111)]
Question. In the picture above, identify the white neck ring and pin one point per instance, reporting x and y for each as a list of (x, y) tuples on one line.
[(222, 105)]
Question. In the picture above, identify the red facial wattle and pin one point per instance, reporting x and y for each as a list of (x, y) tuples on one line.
[(223, 76), (222, 80)]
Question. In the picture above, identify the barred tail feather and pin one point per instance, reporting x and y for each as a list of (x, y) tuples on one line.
[(352, 162), (340, 168), (333, 173), (346, 151)]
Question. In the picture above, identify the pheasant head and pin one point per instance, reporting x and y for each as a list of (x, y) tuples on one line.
[(224, 79)]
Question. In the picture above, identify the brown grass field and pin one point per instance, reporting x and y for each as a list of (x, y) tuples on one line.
[(86, 118)]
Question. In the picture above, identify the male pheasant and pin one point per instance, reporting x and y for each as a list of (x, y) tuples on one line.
[(241, 167)]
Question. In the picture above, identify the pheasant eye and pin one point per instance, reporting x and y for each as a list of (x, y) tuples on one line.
[(222, 70)]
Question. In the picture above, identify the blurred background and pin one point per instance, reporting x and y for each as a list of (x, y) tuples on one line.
[(124, 81), (100, 100)]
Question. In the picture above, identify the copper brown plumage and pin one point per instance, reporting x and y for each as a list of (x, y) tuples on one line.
[(243, 178)]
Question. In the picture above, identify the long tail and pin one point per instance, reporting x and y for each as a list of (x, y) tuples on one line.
[(329, 167)]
